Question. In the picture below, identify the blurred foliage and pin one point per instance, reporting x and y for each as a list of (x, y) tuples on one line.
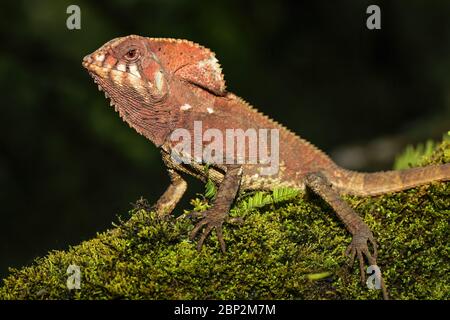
[(67, 162), (284, 250), (413, 154), (417, 154)]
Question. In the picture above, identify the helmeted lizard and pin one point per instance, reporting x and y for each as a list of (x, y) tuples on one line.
[(159, 85)]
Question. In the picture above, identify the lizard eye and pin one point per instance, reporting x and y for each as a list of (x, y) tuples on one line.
[(132, 54)]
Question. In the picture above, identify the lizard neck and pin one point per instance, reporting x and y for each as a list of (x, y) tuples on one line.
[(154, 119)]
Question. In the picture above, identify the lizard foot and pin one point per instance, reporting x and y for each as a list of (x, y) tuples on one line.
[(359, 248), (211, 219)]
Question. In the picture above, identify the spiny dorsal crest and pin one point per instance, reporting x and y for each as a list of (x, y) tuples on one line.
[(292, 135)]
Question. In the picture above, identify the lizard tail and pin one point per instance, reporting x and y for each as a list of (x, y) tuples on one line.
[(371, 184)]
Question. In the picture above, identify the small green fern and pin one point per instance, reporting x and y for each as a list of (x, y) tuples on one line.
[(284, 194), (210, 189), (262, 198), (210, 186)]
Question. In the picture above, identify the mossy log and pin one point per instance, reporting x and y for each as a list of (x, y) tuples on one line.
[(291, 249)]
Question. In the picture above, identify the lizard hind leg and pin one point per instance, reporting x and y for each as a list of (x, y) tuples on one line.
[(362, 235)]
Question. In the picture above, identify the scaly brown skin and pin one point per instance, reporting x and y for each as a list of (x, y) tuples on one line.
[(159, 85)]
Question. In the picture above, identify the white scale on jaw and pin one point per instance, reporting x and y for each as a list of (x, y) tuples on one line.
[(134, 70), (159, 80), (100, 57), (121, 67), (133, 76)]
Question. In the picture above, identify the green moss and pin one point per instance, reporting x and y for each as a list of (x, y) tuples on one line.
[(287, 249)]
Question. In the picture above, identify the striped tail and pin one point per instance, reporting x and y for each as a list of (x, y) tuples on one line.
[(371, 184)]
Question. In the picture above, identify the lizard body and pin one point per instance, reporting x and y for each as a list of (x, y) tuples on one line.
[(159, 85)]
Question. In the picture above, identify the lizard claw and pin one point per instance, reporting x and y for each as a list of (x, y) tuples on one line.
[(359, 248), (210, 219)]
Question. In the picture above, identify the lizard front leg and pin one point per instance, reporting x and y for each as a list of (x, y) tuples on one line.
[(214, 217), (174, 192), (362, 234)]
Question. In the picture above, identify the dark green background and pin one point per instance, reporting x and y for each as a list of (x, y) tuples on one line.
[(69, 165)]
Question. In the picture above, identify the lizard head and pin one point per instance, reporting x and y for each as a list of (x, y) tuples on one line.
[(145, 78), (127, 71)]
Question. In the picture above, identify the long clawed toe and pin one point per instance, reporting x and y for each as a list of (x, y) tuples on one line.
[(210, 221), (359, 249)]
